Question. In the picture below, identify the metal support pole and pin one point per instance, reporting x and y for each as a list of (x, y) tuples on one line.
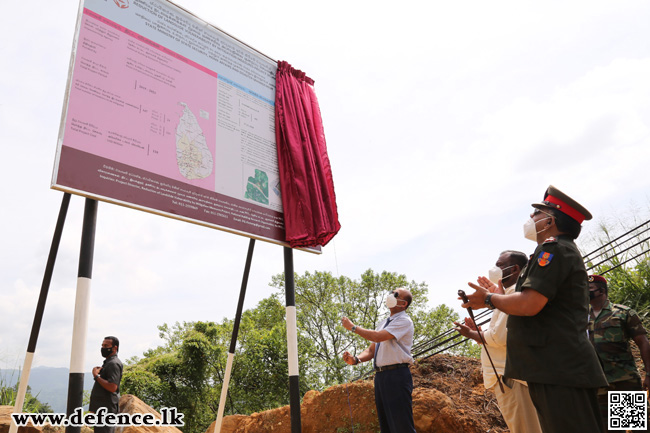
[(292, 342), (40, 308), (233, 340), (80, 324)]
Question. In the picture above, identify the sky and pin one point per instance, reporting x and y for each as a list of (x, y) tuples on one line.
[(444, 121)]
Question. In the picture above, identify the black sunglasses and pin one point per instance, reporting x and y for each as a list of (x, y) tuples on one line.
[(539, 211)]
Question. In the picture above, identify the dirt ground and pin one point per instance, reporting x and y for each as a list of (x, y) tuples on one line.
[(448, 397), (461, 379)]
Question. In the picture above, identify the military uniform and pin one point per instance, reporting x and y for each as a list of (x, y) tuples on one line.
[(551, 350), (610, 333)]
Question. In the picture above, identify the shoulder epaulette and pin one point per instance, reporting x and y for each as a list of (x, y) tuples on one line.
[(550, 240), (621, 307)]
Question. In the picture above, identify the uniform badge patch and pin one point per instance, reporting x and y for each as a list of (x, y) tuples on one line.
[(544, 258)]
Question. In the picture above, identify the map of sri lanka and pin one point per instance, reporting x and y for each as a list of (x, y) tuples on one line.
[(192, 153), (257, 188)]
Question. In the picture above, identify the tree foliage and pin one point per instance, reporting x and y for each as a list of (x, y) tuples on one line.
[(175, 374), (31, 403), (624, 259)]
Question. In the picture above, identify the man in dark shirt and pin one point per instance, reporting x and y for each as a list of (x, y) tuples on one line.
[(105, 392)]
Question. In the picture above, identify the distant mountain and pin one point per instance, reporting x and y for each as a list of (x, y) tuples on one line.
[(48, 384)]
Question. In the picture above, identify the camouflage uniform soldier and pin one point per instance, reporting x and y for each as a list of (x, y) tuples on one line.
[(611, 326)]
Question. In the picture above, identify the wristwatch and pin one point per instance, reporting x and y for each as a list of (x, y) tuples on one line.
[(488, 301), (356, 358), (353, 328), (96, 376)]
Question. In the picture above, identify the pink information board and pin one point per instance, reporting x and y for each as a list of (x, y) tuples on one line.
[(168, 114)]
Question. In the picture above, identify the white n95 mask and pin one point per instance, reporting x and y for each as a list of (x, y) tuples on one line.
[(391, 300), (530, 231), (496, 273)]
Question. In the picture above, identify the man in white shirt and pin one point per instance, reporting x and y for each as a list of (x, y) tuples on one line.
[(515, 404), (390, 349)]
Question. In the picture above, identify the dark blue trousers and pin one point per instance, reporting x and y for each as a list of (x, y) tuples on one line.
[(393, 390)]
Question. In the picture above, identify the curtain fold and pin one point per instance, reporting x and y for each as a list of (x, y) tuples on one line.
[(310, 212)]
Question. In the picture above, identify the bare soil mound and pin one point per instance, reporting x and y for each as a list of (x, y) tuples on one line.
[(448, 397)]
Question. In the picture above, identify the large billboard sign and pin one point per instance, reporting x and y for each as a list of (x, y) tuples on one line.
[(168, 114)]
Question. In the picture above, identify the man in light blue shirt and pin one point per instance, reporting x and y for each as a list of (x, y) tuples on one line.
[(390, 349)]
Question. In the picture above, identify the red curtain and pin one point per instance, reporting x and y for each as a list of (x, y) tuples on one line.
[(310, 214)]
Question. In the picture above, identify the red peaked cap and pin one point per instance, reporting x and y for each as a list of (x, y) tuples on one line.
[(556, 199), (597, 279)]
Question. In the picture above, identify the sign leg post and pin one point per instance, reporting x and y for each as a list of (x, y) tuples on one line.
[(40, 308), (292, 342), (233, 341), (82, 302)]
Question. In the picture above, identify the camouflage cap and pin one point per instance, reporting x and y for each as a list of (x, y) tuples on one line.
[(556, 199)]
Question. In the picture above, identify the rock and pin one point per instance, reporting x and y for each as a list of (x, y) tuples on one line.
[(61, 429), (132, 404), (229, 423), (5, 422)]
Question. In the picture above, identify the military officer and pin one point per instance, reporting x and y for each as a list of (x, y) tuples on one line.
[(548, 345), (611, 326)]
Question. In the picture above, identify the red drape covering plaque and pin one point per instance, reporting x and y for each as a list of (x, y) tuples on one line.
[(308, 199)]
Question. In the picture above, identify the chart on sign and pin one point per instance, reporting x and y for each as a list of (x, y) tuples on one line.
[(168, 114)]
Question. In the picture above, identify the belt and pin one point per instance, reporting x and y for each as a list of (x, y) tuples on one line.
[(391, 367)]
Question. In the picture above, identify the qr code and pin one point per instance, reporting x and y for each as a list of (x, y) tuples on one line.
[(627, 410)]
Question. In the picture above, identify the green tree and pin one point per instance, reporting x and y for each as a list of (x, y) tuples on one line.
[(624, 259), (177, 374), (260, 376), (437, 325)]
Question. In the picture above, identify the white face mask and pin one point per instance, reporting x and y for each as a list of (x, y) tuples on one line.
[(530, 231), (391, 300), (496, 273)]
